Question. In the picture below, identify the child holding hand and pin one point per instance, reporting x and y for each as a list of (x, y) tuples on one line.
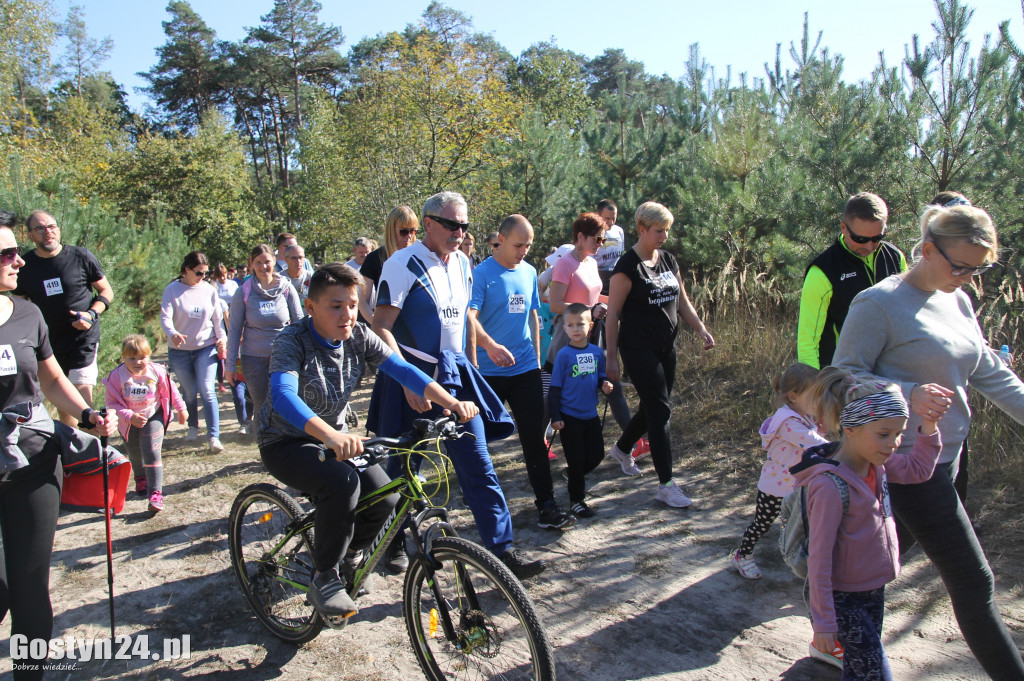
[(143, 395), (853, 552), (572, 402), (784, 435)]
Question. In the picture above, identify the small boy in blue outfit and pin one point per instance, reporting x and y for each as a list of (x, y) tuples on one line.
[(572, 402)]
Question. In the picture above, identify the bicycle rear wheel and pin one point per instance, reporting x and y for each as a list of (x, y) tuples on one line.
[(496, 631), (272, 564)]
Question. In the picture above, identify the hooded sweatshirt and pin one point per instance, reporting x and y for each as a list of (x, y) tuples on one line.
[(785, 435), (857, 551), (258, 314)]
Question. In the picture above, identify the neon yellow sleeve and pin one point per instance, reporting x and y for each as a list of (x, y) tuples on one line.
[(903, 261), (814, 302)]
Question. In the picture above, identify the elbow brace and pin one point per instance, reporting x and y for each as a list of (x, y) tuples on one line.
[(406, 374), (284, 396)]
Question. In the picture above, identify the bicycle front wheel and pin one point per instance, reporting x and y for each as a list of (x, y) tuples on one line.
[(494, 631), (272, 563)]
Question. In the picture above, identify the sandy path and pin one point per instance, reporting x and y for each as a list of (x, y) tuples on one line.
[(640, 592)]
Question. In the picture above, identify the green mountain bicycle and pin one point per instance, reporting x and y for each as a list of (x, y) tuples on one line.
[(467, 615)]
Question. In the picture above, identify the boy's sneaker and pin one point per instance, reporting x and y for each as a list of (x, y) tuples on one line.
[(835, 659), (673, 496), (745, 565), (396, 559), (328, 594), (629, 466), (581, 510), (156, 502), (140, 486), (641, 448), (215, 446), (243, 431), (554, 518), (193, 434), (521, 566)]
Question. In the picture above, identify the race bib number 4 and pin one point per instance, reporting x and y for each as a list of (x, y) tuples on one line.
[(8, 362), (516, 303), (53, 287)]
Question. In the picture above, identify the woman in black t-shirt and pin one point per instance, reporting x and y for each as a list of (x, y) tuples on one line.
[(30, 483), (647, 297), (399, 231)]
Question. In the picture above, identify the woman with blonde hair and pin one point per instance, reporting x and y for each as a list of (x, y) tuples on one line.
[(646, 298), (918, 329), (400, 230)]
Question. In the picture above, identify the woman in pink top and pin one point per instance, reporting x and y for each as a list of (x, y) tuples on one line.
[(575, 279)]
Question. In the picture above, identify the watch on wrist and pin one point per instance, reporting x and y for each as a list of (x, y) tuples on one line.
[(86, 420)]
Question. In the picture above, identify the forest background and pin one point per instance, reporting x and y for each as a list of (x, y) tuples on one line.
[(284, 131)]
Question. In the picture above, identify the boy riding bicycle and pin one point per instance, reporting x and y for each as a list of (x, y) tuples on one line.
[(314, 367)]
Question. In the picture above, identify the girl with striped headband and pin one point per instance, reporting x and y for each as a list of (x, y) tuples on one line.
[(853, 552)]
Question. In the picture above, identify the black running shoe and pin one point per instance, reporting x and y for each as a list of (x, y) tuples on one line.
[(581, 510), (396, 558), (554, 518), (522, 567)]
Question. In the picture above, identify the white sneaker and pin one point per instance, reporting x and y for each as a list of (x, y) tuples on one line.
[(629, 466), (193, 434), (745, 565), (215, 446), (243, 431), (671, 494)]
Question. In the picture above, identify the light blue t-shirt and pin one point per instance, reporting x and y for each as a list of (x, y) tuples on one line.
[(505, 299), (579, 372)]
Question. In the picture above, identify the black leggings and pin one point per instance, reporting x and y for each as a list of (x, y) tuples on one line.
[(583, 446), (29, 505), (337, 486), (524, 394), (765, 513), (653, 373)]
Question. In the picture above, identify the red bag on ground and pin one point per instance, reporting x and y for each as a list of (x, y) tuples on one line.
[(85, 492)]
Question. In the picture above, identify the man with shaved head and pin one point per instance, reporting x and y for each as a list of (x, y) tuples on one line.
[(503, 309)]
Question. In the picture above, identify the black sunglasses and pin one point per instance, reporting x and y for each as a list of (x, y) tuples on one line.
[(961, 270), (450, 225), (8, 255), (857, 238), (407, 232)]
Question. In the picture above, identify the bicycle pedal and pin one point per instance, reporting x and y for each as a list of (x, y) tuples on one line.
[(335, 622)]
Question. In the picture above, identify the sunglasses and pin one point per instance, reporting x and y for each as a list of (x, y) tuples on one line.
[(858, 239), (8, 255), (450, 225), (201, 274), (961, 270), (598, 239), (407, 232)]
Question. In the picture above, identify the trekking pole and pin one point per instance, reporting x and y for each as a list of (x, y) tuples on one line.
[(106, 520)]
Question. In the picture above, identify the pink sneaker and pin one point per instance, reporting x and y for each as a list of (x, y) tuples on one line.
[(140, 485), (156, 502), (641, 448)]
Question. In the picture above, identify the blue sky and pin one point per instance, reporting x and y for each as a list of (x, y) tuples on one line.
[(738, 33)]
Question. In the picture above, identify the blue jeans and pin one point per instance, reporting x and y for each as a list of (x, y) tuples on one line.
[(243, 403), (930, 514), (859, 620), (196, 370)]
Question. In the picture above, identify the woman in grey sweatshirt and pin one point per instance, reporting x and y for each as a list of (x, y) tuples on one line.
[(264, 304), (919, 330)]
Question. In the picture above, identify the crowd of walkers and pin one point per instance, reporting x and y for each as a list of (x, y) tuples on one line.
[(871, 424)]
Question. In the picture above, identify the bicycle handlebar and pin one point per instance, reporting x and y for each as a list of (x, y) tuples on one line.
[(442, 428)]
